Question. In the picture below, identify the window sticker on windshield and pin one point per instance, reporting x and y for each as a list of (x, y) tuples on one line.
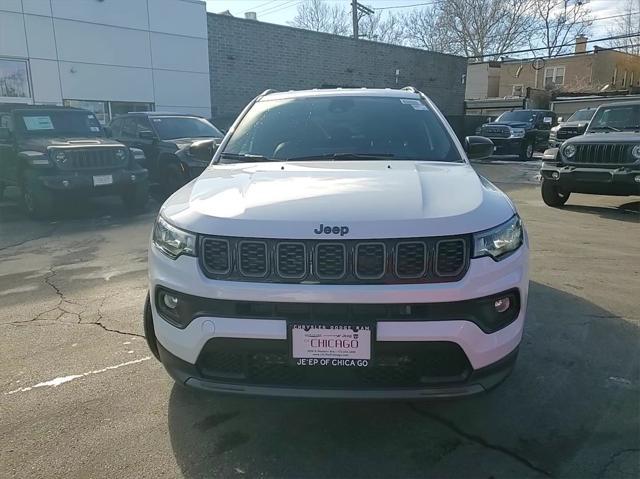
[(94, 128), (416, 104), (35, 123)]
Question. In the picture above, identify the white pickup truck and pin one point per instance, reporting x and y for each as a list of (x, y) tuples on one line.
[(339, 245)]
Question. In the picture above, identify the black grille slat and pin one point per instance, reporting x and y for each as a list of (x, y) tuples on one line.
[(602, 154), (253, 259), (331, 260), (450, 257), (411, 259), (217, 258), (370, 260), (292, 260)]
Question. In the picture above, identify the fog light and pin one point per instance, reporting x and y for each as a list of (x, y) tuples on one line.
[(133, 177), (502, 304), (636, 178), (65, 183), (555, 175), (170, 301)]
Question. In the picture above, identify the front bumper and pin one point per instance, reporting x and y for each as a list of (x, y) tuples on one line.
[(485, 354), (507, 146), (602, 181), (83, 181)]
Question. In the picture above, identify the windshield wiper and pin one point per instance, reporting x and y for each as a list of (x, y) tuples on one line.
[(240, 157), (344, 156), (605, 127)]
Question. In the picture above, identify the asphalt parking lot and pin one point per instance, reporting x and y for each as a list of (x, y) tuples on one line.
[(81, 396)]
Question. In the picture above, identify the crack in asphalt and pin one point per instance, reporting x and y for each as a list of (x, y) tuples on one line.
[(479, 440), (613, 457)]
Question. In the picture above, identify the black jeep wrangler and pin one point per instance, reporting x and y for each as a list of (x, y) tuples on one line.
[(520, 132), (603, 161), (177, 147), (50, 152)]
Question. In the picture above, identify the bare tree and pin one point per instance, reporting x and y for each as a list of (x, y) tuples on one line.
[(557, 22), (627, 25), (381, 27), (484, 29), (322, 17), (424, 28)]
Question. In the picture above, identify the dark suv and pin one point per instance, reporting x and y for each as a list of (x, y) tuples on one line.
[(177, 147), (574, 126), (50, 151), (603, 161), (520, 132)]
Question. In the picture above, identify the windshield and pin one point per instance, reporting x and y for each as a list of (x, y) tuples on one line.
[(341, 127), (53, 123), (173, 127), (612, 118), (582, 115), (518, 115)]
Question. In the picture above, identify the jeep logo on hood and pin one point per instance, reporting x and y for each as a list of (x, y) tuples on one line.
[(327, 230)]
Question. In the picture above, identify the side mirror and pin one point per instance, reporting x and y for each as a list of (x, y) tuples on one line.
[(550, 155), (478, 147), (146, 135), (107, 131), (203, 150), (5, 134), (560, 119)]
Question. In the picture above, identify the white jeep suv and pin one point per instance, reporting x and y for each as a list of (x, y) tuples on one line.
[(339, 245)]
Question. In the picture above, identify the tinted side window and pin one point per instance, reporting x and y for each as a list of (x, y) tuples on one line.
[(142, 124), (129, 128), (116, 127)]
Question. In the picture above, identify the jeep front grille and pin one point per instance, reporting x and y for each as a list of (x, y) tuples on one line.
[(91, 158), (603, 154), (385, 261)]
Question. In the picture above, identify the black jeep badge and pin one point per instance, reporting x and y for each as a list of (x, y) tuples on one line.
[(341, 230)]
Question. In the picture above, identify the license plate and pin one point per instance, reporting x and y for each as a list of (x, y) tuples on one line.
[(102, 180), (331, 345)]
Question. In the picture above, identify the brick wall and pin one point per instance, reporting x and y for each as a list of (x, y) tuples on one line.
[(247, 57)]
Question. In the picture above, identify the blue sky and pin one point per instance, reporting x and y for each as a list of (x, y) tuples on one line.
[(282, 11)]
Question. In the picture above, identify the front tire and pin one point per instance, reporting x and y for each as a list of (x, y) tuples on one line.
[(38, 203), (552, 194), (135, 198), (527, 151)]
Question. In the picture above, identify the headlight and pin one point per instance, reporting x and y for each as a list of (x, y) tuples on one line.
[(121, 154), (635, 152), (569, 151), (517, 132), (173, 241), (60, 156), (499, 241)]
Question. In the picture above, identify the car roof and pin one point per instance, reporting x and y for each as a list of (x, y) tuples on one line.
[(620, 103), (334, 92), (157, 113), (24, 106)]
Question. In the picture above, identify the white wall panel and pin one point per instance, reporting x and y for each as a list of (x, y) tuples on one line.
[(85, 42), (45, 80), (179, 17), (173, 52), (11, 5), (181, 88), (124, 13), (12, 39), (98, 82), (37, 7), (192, 110), (40, 37)]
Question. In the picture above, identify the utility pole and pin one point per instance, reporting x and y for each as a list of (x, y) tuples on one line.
[(354, 18), (357, 11)]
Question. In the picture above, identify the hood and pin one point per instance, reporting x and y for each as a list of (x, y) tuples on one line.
[(184, 142), (607, 137), (375, 199), (41, 144)]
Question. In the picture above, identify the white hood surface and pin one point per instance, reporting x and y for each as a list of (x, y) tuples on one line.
[(374, 199)]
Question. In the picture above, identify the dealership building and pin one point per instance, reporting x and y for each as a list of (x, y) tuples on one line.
[(109, 56)]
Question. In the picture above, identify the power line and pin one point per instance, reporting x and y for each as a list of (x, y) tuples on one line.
[(253, 9), (527, 50), (282, 6), (595, 50), (424, 4)]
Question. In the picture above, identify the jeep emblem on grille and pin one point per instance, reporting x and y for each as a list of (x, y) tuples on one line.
[(322, 229)]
